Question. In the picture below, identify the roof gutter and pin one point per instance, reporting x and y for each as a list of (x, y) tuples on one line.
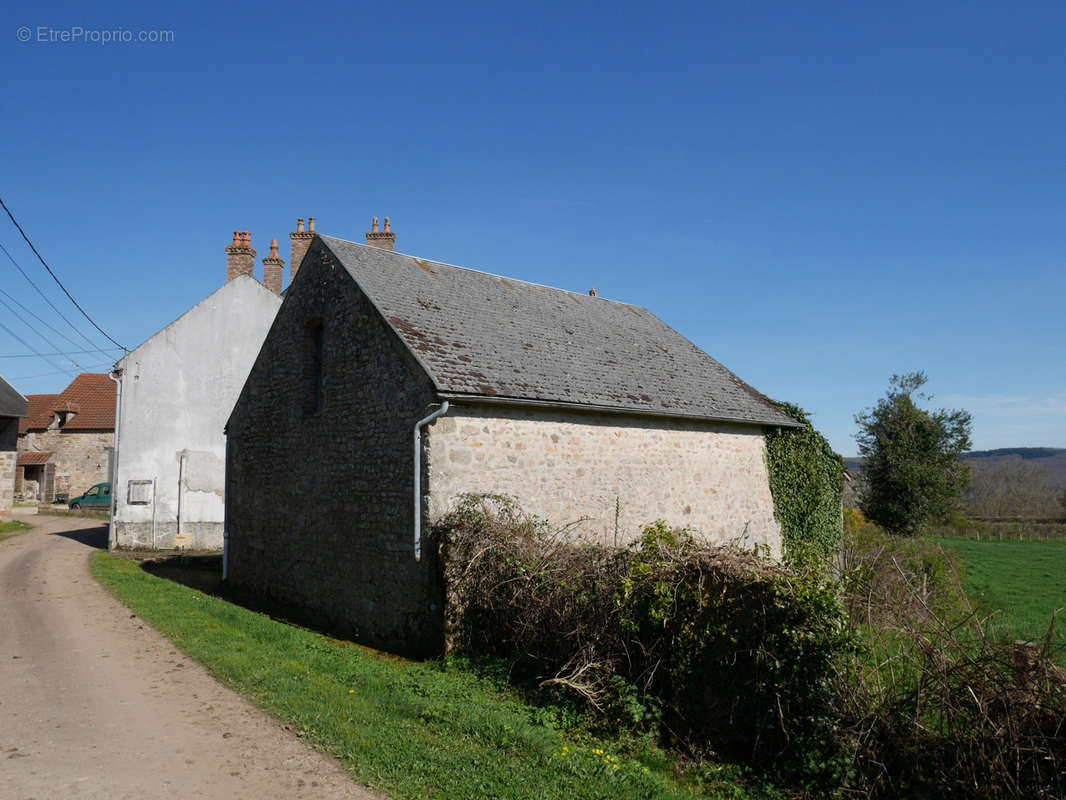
[(563, 406), (418, 474)]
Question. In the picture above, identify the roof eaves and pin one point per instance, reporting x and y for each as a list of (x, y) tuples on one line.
[(636, 412)]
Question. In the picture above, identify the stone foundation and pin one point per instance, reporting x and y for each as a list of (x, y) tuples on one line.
[(194, 536)]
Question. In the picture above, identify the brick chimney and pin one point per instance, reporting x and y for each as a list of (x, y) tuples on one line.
[(301, 240), (240, 257), (385, 239), (273, 269)]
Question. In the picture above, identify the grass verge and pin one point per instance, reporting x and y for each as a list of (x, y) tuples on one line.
[(9, 529), (1021, 583), (413, 730)]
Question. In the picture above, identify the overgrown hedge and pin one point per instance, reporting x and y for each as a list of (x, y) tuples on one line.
[(731, 654), (723, 654), (806, 480)]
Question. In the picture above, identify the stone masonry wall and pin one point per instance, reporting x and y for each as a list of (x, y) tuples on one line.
[(9, 427), (319, 470), (620, 472), (81, 456)]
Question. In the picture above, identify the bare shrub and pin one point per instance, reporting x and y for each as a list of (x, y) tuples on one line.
[(895, 583), (731, 654), (935, 706), (728, 655)]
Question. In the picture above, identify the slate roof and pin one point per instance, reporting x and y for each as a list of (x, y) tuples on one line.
[(12, 404), (90, 395), (482, 335)]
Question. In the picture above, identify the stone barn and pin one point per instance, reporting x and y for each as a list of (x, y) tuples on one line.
[(389, 385)]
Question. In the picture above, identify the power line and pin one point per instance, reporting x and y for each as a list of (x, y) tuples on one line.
[(43, 322), (66, 353), (25, 344), (61, 372), (22, 319), (43, 295), (59, 282)]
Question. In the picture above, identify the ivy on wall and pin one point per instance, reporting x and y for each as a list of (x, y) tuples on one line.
[(806, 480)]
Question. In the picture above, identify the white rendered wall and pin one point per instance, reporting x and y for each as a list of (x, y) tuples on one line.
[(178, 389)]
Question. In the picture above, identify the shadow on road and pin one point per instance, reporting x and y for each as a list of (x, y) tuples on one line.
[(95, 536)]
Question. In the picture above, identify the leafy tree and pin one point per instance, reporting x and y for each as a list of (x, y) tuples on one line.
[(912, 470)]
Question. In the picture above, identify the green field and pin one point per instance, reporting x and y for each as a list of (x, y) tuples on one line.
[(1020, 583), (414, 730)]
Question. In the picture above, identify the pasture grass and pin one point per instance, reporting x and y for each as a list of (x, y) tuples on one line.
[(1019, 584)]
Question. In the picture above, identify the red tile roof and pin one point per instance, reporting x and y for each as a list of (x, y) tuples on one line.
[(38, 412), (33, 459), (90, 396)]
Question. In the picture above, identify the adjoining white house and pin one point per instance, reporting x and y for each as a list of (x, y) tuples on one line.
[(175, 393)]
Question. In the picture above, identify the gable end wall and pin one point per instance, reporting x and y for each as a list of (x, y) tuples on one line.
[(621, 472), (319, 503)]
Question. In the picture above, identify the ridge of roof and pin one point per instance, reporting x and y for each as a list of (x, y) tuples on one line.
[(484, 272), (484, 335)]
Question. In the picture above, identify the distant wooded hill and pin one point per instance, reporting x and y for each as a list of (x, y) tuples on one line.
[(1051, 458), (1025, 481)]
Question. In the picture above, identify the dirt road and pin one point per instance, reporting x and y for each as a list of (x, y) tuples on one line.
[(95, 704)]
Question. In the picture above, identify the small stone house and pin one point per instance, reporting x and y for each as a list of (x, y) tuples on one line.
[(176, 391), (12, 408), (66, 441), (389, 385)]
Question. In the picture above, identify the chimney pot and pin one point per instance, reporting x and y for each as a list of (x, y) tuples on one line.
[(273, 269), (385, 239), (301, 240), (240, 257)]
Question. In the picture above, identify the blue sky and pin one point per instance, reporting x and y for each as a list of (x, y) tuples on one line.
[(819, 195)]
